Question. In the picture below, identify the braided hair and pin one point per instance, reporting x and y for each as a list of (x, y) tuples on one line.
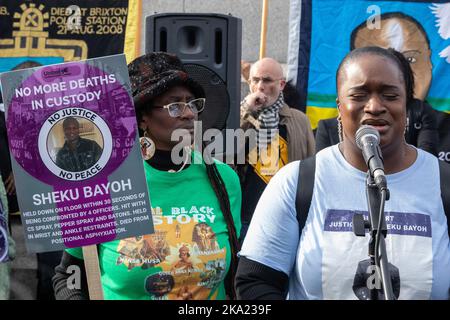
[(221, 192)]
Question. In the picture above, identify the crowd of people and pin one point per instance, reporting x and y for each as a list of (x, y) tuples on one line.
[(255, 247)]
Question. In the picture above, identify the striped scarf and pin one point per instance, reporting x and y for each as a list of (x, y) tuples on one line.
[(269, 119)]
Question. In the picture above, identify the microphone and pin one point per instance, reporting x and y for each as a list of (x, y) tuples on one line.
[(368, 140)]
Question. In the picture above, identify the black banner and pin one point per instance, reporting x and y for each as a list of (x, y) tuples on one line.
[(54, 31)]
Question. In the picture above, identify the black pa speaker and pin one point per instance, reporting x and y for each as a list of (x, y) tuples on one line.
[(209, 45)]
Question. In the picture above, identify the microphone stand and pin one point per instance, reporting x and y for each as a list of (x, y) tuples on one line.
[(378, 230)]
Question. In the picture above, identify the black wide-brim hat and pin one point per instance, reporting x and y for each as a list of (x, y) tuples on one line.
[(154, 73)]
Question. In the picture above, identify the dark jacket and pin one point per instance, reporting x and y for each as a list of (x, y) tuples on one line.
[(86, 154), (5, 163), (443, 123), (327, 133)]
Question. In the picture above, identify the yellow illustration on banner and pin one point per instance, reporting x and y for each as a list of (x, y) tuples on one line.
[(31, 40)]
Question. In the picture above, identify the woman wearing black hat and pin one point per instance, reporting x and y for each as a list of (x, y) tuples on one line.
[(188, 197)]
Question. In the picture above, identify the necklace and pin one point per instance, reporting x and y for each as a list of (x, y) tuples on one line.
[(187, 152)]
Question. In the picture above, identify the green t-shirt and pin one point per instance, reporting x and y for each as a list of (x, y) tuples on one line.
[(188, 256)]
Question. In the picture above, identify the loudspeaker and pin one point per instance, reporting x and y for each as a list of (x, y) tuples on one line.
[(209, 45)]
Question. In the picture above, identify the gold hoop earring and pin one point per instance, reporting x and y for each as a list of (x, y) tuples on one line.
[(340, 132), (147, 147)]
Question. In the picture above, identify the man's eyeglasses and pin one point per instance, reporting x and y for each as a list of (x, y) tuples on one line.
[(267, 81), (176, 109)]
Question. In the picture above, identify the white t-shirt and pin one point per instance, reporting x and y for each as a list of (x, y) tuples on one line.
[(323, 265)]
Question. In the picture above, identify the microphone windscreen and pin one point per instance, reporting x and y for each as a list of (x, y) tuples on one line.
[(365, 130)]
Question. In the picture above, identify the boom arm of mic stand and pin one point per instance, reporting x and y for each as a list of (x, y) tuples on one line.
[(376, 212)]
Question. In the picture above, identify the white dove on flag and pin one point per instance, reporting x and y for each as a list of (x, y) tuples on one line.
[(442, 14)]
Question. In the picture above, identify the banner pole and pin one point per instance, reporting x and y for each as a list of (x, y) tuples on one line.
[(262, 47), (91, 264), (139, 29)]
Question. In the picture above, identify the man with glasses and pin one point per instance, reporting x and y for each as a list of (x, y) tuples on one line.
[(283, 134)]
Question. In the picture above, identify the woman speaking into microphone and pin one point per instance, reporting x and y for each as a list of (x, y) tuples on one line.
[(324, 259)]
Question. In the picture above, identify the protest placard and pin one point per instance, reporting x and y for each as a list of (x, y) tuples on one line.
[(75, 154)]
